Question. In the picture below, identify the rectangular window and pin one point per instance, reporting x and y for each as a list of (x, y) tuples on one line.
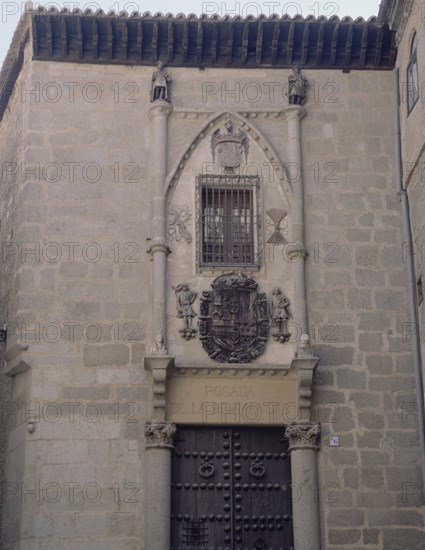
[(412, 79), (228, 220)]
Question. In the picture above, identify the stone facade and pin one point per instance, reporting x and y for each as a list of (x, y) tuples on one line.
[(101, 224)]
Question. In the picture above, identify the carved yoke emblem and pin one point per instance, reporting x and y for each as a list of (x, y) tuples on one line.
[(233, 324)]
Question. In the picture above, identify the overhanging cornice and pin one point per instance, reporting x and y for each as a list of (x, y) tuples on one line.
[(204, 41), (191, 41)]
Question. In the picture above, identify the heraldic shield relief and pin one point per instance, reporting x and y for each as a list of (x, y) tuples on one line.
[(234, 323)]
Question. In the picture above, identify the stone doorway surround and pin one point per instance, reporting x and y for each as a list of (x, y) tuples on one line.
[(173, 383), (303, 436)]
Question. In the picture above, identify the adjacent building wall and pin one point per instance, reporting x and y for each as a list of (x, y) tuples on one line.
[(14, 278)]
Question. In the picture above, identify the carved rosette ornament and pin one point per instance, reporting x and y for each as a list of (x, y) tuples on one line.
[(234, 320), (160, 434), (303, 436)]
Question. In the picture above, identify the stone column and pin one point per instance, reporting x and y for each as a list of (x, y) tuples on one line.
[(159, 110), (159, 443), (303, 440), (297, 252)]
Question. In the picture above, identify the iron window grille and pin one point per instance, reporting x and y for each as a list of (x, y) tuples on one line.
[(228, 220), (413, 76)]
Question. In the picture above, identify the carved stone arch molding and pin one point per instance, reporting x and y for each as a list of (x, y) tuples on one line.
[(252, 131)]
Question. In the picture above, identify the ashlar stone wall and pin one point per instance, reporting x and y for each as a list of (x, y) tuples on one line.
[(86, 211)]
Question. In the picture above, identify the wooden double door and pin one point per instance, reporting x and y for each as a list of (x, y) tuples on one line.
[(231, 489)]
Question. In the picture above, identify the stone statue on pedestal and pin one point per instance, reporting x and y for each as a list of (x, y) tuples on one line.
[(161, 83), (297, 87)]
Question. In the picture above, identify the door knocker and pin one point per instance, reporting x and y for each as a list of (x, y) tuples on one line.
[(206, 469), (257, 468)]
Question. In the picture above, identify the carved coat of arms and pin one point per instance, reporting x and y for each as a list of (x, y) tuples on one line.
[(234, 321), (229, 148)]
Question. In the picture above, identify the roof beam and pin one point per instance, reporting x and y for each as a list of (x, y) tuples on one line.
[(64, 37), (139, 38), (109, 39), (35, 36), (95, 39), (363, 46), (379, 42), (334, 44), (199, 42), (230, 44), (245, 38), (185, 41), (304, 46), (349, 44), (275, 41), (259, 44), (214, 43), (155, 31), (290, 46), (320, 43), (49, 36), (170, 41), (124, 37)]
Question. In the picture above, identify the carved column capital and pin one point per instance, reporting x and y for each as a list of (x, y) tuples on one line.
[(159, 246), (303, 436), (294, 112), (160, 107), (159, 434)]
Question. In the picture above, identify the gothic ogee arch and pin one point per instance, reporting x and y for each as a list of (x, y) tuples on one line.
[(253, 132)]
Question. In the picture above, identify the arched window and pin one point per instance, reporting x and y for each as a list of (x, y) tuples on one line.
[(412, 76)]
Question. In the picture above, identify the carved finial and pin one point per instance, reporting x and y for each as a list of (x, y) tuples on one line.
[(305, 350), (161, 84), (297, 87)]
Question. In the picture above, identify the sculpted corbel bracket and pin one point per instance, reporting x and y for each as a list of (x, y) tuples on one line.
[(159, 365), (159, 434), (16, 360), (304, 365)]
